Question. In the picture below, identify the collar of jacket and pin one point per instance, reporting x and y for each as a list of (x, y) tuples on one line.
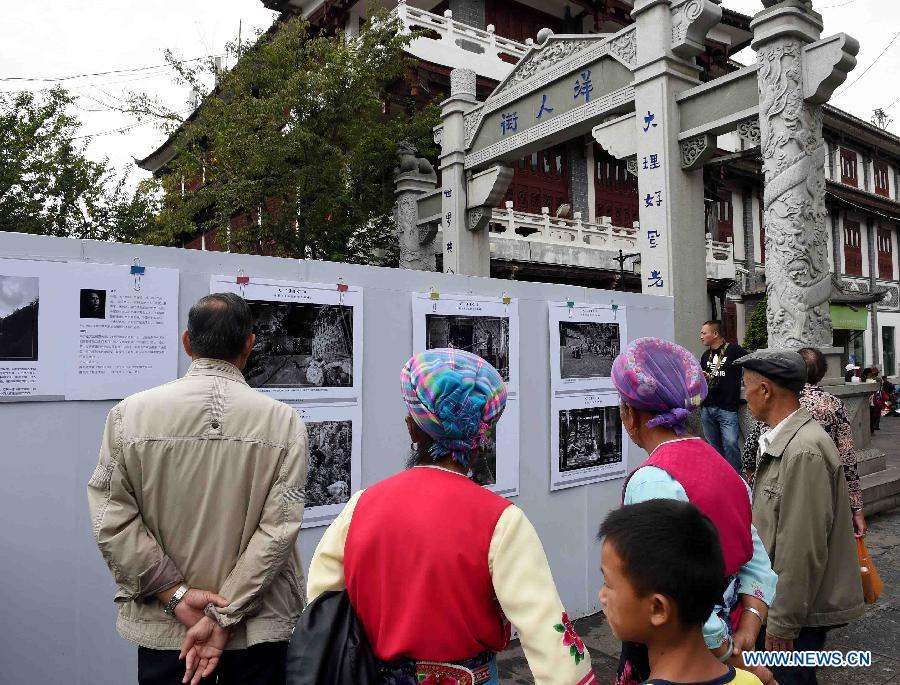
[(793, 424), (215, 367)]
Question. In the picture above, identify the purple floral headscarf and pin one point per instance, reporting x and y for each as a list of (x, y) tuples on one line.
[(657, 375), (455, 397)]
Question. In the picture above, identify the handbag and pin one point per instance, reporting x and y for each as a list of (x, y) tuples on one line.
[(871, 581), (329, 645)]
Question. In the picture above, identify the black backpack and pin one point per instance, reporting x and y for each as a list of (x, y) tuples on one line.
[(329, 646)]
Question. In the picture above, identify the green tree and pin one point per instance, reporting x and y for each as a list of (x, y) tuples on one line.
[(756, 336), (48, 186), (293, 152)]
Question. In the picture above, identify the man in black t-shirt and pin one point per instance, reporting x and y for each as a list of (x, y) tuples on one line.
[(719, 412)]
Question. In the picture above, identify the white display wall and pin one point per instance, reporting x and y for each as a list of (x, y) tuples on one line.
[(56, 591)]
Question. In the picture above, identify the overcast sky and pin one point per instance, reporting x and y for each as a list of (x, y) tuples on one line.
[(16, 292), (57, 38)]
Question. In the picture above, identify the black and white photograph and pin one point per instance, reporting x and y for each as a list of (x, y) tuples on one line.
[(330, 452), (92, 304), (589, 437), (488, 327), (19, 318), (301, 345), (484, 465), (587, 348), (486, 336)]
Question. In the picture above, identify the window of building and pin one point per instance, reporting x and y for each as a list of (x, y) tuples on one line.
[(848, 167), (725, 216), (888, 352), (882, 187), (885, 254), (852, 249)]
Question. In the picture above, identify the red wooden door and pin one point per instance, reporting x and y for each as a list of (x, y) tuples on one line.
[(517, 21), (725, 216), (731, 322)]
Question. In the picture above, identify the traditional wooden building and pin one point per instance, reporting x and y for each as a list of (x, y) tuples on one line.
[(571, 211)]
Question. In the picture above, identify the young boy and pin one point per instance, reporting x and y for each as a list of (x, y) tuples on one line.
[(663, 572)]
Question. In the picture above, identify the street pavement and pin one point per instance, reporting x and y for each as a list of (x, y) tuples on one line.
[(878, 630)]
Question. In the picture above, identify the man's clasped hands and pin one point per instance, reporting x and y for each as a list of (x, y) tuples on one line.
[(205, 639)]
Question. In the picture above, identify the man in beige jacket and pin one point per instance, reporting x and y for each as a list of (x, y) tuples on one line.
[(800, 511), (196, 504)]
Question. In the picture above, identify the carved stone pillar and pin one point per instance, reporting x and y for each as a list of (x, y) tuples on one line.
[(797, 74), (578, 177), (465, 251), (412, 178)]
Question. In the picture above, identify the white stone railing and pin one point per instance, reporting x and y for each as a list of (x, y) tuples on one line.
[(543, 228), (458, 44), (550, 229)]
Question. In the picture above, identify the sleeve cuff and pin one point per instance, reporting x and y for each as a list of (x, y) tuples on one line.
[(161, 577), (781, 632), (221, 619)]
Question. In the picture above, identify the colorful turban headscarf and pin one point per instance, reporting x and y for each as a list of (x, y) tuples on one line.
[(656, 375), (454, 397)]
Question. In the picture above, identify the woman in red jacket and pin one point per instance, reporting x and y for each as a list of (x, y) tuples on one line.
[(436, 566)]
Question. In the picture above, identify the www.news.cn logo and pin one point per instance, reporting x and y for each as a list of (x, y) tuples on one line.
[(826, 659)]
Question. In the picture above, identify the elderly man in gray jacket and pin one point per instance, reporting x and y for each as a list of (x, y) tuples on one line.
[(800, 510), (196, 504)]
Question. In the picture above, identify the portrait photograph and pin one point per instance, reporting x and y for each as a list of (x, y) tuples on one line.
[(92, 304), (19, 318), (301, 345)]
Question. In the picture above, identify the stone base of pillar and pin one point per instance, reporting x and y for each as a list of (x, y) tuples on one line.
[(414, 253), (835, 373)]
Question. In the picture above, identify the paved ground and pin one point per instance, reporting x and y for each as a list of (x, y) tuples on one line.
[(878, 631)]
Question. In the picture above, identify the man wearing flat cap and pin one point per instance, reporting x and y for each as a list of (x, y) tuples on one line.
[(800, 511)]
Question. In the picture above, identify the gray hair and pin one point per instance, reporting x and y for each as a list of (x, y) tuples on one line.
[(219, 325)]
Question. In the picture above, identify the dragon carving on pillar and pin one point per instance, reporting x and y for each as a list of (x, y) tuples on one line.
[(793, 151)]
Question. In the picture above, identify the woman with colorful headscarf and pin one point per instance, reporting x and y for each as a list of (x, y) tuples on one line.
[(435, 566), (659, 384)]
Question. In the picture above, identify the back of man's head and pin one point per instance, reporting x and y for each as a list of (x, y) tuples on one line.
[(670, 548), (816, 365), (219, 326)]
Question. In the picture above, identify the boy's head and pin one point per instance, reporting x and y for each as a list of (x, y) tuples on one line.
[(663, 569)]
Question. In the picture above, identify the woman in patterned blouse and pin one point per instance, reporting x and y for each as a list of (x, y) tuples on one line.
[(831, 414)]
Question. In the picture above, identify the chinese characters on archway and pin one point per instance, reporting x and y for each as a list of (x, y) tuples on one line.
[(653, 201), (582, 87)]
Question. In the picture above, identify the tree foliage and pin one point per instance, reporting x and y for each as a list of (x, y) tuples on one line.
[(293, 152), (756, 336), (48, 186)]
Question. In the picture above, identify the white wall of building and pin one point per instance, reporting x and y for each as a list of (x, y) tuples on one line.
[(757, 229), (737, 212), (891, 319)]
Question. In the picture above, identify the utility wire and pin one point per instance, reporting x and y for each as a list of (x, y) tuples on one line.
[(840, 4), (100, 73), (123, 129), (854, 81), (892, 104)]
